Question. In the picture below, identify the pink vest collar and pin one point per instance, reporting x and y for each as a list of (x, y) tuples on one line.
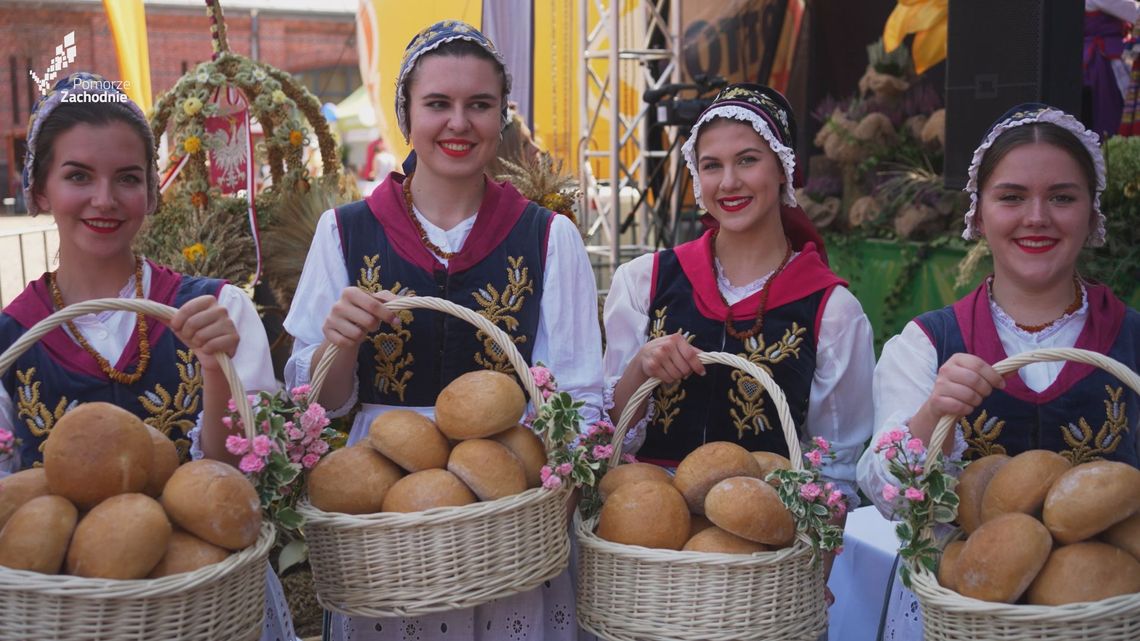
[(979, 334), (35, 304), (804, 276), (501, 208)]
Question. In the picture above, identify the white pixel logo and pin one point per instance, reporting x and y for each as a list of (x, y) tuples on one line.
[(64, 56)]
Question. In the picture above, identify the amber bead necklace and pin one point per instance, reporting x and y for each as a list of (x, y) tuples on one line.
[(758, 325), (416, 223), (141, 327), (1078, 300)]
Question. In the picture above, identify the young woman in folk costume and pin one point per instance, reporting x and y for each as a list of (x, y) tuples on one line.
[(447, 231), (1035, 185), (755, 284), (91, 164)]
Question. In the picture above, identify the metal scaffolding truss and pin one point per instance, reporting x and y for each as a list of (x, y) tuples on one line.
[(632, 47)]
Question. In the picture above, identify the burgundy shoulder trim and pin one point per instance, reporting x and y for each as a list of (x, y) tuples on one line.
[(925, 330), (653, 282), (546, 239)]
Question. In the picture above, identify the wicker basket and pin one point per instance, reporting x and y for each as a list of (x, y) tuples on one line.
[(948, 615), (224, 601), (632, 593), (394, 564)]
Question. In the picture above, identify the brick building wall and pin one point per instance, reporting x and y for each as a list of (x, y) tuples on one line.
[(179, 38)]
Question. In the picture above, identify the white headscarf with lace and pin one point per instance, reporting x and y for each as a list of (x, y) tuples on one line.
[(1024, 115)]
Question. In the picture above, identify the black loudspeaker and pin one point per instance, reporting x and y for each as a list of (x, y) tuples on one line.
[(1001, 53)]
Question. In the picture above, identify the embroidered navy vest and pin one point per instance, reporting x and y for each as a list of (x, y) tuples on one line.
[(43, 385), (409, 365), (1086, 414), (726, 404)]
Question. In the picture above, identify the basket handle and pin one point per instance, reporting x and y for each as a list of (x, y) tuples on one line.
[(140, 306), (502, 341), (731, 360), (1014, 363)]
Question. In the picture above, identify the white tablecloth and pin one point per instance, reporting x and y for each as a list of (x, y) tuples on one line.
[(861, 576)]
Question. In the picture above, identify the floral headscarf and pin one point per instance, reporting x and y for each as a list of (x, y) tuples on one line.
[(769, 114), (90, 89), (430, 39), (1025, 114)]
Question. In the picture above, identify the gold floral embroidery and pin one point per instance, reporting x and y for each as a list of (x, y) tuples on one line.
[(1086, 447), (39, 419), (178, 411), (392, 364), (982, 435), (666, 397), (498, 308), (748, 395)]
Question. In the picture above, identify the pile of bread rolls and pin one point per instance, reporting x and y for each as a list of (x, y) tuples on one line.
[(1043, 532), (718, 501), (112, 502), (475, 450)]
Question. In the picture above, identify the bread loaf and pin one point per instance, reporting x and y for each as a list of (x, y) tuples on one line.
[(708, 465), (771, 461), (36, 537), (1125, 535), (1090, 498), (410, 440), (714, 539), (1021, 484), (631, 473), (528, 448), (948, 565), (1002, 557), (19, 488), (646, 513), (425, 490), (95, 451), (123, 537), (478, 405), (698, 523), (214, 502), (163, 462), (352, 480), (1081, 572), (972, 488), (186, 553), (487, 467), (750, 508)]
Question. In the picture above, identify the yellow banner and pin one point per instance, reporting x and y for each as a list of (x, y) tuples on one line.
[(384, 28), (557, 49), (128, 25)]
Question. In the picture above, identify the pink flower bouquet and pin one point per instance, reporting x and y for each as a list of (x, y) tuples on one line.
[(293, 434), (921, 497), (813, 502)]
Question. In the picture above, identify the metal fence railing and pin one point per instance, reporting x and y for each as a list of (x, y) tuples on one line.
[(26, 253)]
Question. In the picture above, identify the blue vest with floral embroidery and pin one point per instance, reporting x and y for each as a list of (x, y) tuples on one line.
[(409, 365), (168, 396), (1086, 414), (726, 404)]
